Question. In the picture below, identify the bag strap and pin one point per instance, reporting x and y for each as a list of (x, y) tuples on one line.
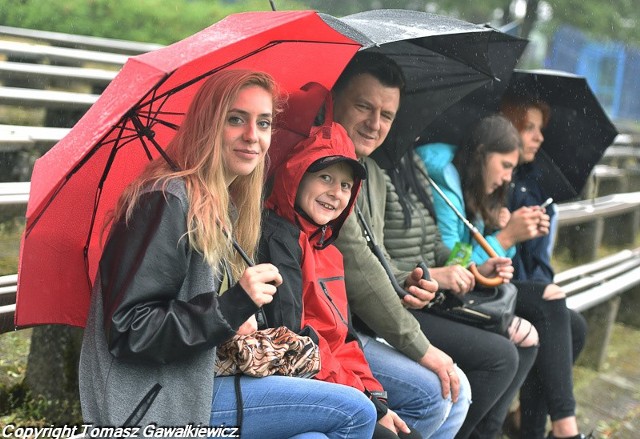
[(239, 401), (368, 234)]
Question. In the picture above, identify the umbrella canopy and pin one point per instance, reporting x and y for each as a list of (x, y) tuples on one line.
[(443, 60), (80, 179), (575, 139)]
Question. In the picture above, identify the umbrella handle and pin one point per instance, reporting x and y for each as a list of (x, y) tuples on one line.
[(483, 280), (475, 233)]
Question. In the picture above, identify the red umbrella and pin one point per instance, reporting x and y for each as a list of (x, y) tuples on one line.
[(79, 180)]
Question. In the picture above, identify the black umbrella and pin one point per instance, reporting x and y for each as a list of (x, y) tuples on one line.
[(575, 139), (443, 60), (578, 132)]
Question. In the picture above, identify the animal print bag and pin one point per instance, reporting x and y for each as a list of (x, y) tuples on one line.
[(272, 351)]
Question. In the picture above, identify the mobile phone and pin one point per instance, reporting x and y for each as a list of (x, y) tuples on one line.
[(546, 203)]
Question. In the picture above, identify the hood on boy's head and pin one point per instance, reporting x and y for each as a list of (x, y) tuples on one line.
[(325, 146)]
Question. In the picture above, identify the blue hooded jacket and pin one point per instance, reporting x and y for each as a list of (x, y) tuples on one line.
[(438, 158)]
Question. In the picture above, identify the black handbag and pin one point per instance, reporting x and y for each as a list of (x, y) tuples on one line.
[(492, 309)]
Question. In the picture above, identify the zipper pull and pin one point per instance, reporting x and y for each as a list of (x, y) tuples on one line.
[(324, 229)]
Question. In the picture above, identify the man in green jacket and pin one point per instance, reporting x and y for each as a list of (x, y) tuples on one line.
[(366, 100)]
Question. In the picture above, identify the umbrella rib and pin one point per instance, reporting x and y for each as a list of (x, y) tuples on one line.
[(96, 201)]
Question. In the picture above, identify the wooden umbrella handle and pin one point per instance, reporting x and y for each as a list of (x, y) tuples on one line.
[(483, 280)]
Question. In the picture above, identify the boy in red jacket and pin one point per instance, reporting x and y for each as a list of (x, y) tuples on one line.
[(313, 192)]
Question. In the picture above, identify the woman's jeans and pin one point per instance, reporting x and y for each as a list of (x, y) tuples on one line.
[(278, 407), (415, 392)]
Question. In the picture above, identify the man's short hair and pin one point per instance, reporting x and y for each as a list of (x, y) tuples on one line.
[(380, 66)]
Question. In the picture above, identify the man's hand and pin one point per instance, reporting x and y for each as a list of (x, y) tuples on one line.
[(442, 365), (421, 291)]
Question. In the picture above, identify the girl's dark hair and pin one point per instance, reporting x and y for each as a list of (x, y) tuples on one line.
[(405, 180), (493, 134)]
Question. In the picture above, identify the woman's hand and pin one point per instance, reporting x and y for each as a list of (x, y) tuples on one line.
[(525, 223), (260, 282), (545, 220), (421, 291), (248, 327), (454, 278), (394, 423)]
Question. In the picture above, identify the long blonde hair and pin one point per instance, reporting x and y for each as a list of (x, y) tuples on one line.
[(196, 150)]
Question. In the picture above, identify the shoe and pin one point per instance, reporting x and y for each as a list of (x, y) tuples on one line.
[(511, 426), (579, 436)]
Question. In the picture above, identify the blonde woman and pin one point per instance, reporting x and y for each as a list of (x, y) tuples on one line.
[(157, 309)]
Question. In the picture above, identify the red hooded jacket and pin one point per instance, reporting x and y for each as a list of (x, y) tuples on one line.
[(313, 296)]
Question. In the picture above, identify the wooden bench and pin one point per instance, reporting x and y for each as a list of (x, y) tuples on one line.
[(595, 290), (584, 225)]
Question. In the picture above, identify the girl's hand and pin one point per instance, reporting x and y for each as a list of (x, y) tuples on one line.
[(260, 282), (497, 267), (503, 217)]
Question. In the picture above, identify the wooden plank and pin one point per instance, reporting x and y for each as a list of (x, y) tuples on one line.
[(20, 133), (60, 54), (587, 210), (600, 277), (46, 98), (81, 41), (13, 194), (9, 279), (617, 151), (604, 292), (45, 73), (600, 264), (7, 313)]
